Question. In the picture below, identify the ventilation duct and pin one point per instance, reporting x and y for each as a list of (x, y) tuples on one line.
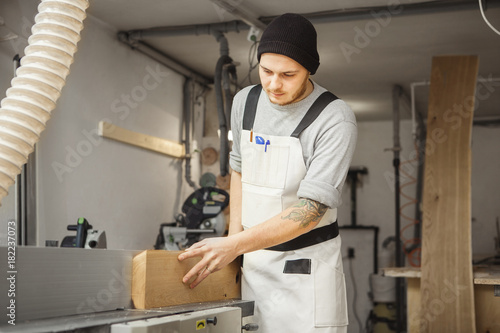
[(38, 83)]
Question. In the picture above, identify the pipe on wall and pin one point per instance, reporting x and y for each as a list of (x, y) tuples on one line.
[(224, 60), (187, 30), (38, 83), (400, 313), (188, 96)]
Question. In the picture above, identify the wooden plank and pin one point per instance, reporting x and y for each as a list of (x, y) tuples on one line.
[(413, 309), (407, 272), (447, 296), (157, 281), (482, 274), (145, 141), (487, 309)]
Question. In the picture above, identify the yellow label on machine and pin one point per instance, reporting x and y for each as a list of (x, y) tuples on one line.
[(201, 324)]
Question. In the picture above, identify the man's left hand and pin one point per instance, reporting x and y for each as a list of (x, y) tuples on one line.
[(215, 254)]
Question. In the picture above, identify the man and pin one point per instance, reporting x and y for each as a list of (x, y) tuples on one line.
[(292, 149)]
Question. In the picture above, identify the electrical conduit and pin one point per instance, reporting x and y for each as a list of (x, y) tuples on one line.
[(38, 83)]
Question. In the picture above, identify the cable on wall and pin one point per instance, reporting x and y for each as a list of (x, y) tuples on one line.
[(485, 19)]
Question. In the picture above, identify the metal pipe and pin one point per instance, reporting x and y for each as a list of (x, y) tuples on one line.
[(187, 133), (187, 30), (370, 13), (240, 12), (396, 94), (222, 40), (339, 15), (165, 60)]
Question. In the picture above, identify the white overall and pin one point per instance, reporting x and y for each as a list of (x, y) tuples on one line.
[(314, 298)]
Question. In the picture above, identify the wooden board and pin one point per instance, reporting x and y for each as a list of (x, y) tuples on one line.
[(447, 297), (487, 306), (413, 309), (157, 281), (145, 141), (487, 309)]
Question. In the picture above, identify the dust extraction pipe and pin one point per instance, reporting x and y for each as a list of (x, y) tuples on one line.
[(38, 83)]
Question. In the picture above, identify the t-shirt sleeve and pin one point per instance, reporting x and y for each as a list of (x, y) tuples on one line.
[(236, 126), (329, 163)]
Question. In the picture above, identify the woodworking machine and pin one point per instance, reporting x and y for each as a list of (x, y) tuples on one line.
[(203, 217), (89, 290)]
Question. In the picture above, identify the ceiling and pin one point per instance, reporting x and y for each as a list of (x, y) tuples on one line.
[(398, 49)]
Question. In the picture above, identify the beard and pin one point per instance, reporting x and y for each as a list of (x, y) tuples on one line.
[(297, 96)]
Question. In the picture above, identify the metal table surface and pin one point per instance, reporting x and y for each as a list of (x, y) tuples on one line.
[(100, 322)]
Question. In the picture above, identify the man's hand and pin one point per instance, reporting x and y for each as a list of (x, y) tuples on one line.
[(215, 254)]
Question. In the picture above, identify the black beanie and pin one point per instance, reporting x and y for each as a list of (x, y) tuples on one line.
[(291, 35)]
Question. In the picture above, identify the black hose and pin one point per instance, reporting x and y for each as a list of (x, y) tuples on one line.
[(228, 73), (400, 307), (224, 145)]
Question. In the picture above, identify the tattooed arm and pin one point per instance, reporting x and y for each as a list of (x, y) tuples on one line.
[(218, 252), (305, 212)]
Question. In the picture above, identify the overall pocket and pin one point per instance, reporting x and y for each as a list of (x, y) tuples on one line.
[(265, 165), (330, 301)]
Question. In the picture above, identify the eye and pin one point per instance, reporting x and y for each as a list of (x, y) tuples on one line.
[(288, 74)]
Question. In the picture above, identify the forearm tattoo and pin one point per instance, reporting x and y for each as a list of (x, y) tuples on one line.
[(306, 211)]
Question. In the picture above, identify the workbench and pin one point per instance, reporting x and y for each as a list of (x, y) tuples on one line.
[(486, 296)]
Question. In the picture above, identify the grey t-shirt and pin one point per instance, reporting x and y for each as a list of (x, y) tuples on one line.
[(327, 144)]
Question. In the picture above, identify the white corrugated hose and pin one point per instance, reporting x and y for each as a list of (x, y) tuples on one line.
[(38, 83)]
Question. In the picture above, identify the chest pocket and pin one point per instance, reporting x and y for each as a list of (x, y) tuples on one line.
[(265, 166)]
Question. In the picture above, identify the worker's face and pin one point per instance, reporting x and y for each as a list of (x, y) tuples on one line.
[(284, 80)]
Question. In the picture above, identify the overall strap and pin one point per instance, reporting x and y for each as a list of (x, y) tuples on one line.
[(251, 107), (253, 98), (319, 104)]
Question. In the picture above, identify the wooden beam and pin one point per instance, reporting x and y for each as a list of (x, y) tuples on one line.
[(447, 296), (159, 145), (157, 281)]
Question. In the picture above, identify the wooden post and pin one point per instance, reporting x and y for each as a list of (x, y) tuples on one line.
[(447, 296)]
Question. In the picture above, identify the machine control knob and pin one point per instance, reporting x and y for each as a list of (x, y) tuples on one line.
[(212, 321), (250, 327)]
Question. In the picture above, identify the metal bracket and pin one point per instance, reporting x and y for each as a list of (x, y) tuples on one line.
[(497, 290)]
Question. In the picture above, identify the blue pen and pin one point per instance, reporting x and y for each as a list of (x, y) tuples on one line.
[(259, 140), (268, 143)]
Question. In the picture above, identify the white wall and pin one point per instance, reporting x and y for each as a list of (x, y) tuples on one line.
[(485, 187), (124, 190), (375, 195)]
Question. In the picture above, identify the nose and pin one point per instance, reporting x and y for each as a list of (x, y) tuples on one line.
[(275, 83)]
